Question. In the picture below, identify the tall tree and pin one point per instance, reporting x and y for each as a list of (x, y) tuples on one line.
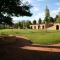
[(28, 23), (47, 19), (34, 21), (7, 20), (52, 20), (18, 25), (23, 24), (39, 21), (13, 8), (58, 18)]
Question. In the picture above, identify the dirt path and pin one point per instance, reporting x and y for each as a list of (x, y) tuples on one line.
[(58, 44), (27, 45), (48, 48)]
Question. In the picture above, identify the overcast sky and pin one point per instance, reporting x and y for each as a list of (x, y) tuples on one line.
[(38, 9)]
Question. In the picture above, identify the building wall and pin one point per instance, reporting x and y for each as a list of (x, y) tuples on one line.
[(54, 27), (34, 26), (43, 26)]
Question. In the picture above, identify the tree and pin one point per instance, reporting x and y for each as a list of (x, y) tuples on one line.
[(52, 20), (58, 18), (39, 21), (34, 21), (8, 20), (47, 19), (28, 23), (23, 24), (18, 25), (10, 8)]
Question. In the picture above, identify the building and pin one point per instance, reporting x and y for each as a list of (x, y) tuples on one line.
[(49, 26), (37, 26)]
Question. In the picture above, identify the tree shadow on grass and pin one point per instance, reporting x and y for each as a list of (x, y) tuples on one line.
[(14, 41), (10, 50)]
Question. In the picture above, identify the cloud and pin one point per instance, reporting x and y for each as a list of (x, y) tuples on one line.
[(35, 9), (38, 9), (34, 17), (37, 16), (58, 4), (55, 12)]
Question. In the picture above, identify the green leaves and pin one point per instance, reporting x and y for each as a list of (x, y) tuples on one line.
[(13, 8)]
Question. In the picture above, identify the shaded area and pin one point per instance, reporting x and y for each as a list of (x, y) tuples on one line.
[(57, 27), (12, 51), (14, 41)]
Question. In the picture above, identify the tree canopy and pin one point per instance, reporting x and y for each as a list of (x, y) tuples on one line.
[(39, 21), (34, 21), (58, 18), (13, 8)]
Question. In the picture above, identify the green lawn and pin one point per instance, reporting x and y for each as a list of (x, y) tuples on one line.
[(36, 36)]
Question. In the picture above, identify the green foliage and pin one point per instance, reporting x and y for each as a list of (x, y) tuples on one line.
[(34, 21), (39, 21), (47, 19), (9, 8), (58, 18), (14, 7), (28, 23), (17, 25), (23, 24), (52, 19)]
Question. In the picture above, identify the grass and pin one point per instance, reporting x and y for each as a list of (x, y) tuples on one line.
[(36, 36)]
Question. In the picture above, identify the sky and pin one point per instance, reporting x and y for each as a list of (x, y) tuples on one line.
[(38, 9)]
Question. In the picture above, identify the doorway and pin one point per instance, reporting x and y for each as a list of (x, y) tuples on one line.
[(34, 27), (57, 27), (42, 27)]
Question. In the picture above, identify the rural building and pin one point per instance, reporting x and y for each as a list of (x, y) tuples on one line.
[(37, 26), (51, 26)]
